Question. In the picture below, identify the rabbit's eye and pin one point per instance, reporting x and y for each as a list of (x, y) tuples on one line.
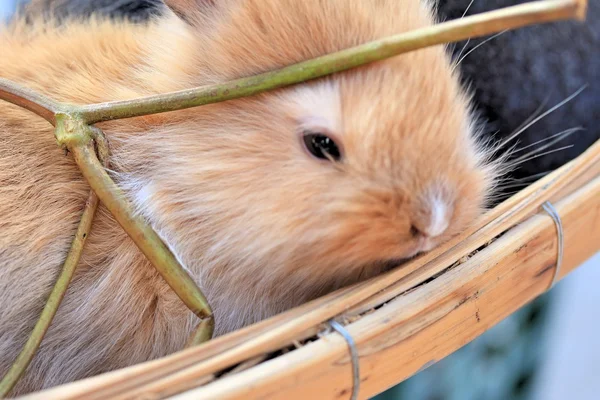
[(321, 146)]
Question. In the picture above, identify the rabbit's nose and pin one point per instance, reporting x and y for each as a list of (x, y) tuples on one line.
[(432, 220)]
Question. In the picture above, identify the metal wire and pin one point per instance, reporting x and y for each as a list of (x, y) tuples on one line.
[(339, 328), (549, 208)]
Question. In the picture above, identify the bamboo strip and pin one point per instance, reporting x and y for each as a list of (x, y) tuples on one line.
[(168, 375)]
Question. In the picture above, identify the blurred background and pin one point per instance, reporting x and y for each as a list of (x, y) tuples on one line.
[(6, 8), (549, 349)]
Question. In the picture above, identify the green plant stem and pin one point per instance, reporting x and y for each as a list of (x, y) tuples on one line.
[(84, 227), (27, 98), (487, 23), (447, 32), (202, 333), (58, 292), (76, 136)]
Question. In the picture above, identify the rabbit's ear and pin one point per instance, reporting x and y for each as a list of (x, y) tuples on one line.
[(191, 11)]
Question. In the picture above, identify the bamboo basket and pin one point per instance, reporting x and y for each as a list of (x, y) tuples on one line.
[(387, 328)]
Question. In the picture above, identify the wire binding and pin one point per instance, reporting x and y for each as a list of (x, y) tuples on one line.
[(549, 208), (339, 328)]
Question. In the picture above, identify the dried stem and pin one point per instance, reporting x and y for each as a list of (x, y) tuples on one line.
[(29, 99), (447, 32)]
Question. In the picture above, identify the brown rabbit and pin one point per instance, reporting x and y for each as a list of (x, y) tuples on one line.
[(268, 201)]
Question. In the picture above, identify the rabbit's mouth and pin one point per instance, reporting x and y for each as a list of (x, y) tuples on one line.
[(389, 265)]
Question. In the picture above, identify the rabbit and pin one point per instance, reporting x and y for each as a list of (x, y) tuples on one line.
[(268, 201)]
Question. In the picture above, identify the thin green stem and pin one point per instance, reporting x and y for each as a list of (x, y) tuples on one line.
[(74, 134), (58, 292), (202, 333), (27, 98), (447, 32), (24, 358)]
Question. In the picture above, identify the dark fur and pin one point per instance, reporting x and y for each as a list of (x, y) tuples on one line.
[(515, 73), (135, 10)]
